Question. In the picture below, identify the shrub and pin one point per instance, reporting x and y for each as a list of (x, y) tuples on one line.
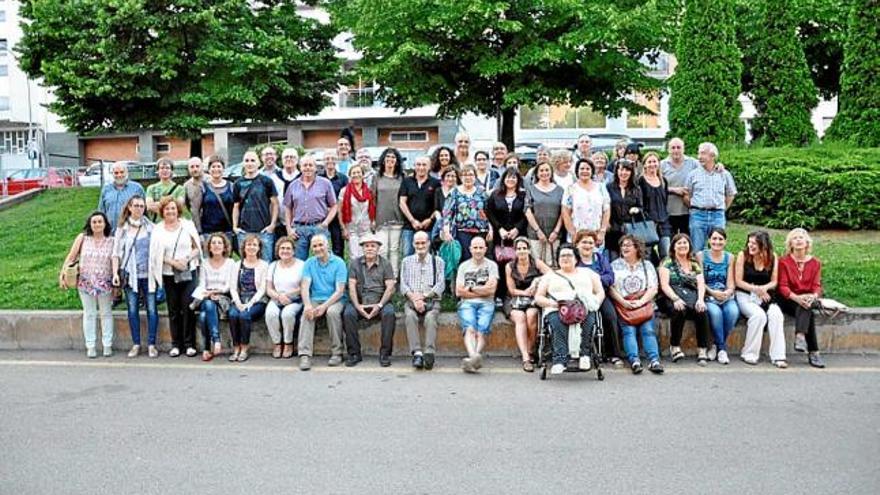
[(783, 92), (818, 187), (858, 118), (704, 91)]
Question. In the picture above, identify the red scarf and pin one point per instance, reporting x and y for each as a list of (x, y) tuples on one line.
[(363, 195)]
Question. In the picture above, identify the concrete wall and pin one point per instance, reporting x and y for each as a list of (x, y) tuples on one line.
[(856, 331)]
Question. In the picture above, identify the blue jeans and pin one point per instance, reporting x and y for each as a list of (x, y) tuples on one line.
[(406, 241), (649, 341), (305, 233), (240, 322), (477, 315), (134, 318), (268, 241), (209, 321), (701, 222), (722, 319)]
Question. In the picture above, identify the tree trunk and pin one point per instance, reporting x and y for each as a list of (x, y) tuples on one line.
[(505, 128), (195, 147)]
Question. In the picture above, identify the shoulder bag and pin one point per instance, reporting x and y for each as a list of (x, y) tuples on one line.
[(645, 230), (70, 273), (571, 311), (636, 316), (180, 276)]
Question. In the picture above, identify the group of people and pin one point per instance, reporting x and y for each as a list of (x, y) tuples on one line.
[(622, 237)]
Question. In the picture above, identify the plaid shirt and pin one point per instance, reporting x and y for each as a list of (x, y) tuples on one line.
[(422, 277)]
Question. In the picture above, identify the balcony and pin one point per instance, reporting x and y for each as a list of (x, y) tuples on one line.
[(358, 98)]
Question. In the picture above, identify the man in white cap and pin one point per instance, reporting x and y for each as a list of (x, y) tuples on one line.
[(370, 287)]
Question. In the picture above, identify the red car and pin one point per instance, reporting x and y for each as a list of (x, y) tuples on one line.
[(36, 178)]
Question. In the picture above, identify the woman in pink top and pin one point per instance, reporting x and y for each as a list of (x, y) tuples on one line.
[(800, 286), (93, 248)]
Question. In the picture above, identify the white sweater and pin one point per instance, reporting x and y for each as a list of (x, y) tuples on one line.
[(162, 243)]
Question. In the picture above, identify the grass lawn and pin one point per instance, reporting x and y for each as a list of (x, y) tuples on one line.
[(35, 237)]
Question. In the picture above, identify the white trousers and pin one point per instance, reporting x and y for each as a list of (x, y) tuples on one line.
[(95, 307), (281, 319), (390, 249), (757, 318)]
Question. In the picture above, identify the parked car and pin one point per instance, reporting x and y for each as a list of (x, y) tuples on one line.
[(234, 170), (37, 178), (91, 177)]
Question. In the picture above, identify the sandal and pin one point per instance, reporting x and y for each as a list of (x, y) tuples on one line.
[(781, 364), (677, 356), (288, 351), (207, 356), (617, 362), (276, 352), (528, 367)]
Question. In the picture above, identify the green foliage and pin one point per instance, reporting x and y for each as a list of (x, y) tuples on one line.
[(124, 65), (821, 31), (858, 116), (703, 104), (783, 93), (819, 187), (490, 57)]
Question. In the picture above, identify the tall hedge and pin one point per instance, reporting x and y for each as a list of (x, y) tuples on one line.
[(704, 91), (858, 115), (783, 93)]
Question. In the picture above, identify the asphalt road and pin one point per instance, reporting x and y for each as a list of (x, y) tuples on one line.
[(119, 426)]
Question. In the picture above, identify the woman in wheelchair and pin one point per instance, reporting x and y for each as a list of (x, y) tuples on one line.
[(559, 293)]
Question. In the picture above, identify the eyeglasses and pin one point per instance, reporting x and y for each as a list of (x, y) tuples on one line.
[(138, 206)]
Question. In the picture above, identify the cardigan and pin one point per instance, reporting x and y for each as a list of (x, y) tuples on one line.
[(261, 271), (161, 239)]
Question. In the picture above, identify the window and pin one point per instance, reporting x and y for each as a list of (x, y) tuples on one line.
[(357, 98), (408, 136), (646, 120), (662, 68), (4, 103), (163, 148), (4, 70), (2, 16), (13, 142), (4, 46), (560, 117)]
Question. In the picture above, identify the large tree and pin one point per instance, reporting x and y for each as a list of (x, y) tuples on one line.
[(783, 92), (858, 115), (704, 91), (492, 56), (124, 65)]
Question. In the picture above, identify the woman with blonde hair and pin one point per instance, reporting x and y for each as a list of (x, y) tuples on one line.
[(800, 287)]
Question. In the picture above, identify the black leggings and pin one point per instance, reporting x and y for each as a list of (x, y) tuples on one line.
[(181, 319), (676, 324), (804, 321), (610, 329)]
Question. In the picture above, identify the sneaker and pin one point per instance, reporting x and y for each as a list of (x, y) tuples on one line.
[(702, 359), (557, 369), (636, 367), (676, 354), (334, 361), (749, 361), (584, 363), (467, 365), (816, 360), (191, 351), (91, 352), (429, 361), (353, 360), (233, 357), (174, 352), (723, 357), (305, 363), (153, 352), (713, 353), (477, 361), (418, 361), (384, 361), (800, 342), (655, 367), (135, 350), (108, 351), (616, 362)]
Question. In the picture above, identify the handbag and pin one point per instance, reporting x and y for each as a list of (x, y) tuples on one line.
[(571, 311), (636, 316), (504, 253), (687, 293), (180, 275), (71, 274), (521, 303), (644, 230)]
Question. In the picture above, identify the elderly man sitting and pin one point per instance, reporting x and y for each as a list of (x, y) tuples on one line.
[(422, 283), (370, 287), (322, 290)]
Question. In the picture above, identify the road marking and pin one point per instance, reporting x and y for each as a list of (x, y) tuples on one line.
[(214, 366)]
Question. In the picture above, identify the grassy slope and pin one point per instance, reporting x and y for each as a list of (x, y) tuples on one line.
[(35, 237)]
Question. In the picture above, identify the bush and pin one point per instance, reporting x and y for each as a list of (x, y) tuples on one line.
[(858, 117), (704, 91), (818, 187)]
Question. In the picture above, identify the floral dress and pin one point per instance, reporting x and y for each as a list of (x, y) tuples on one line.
[(466, 212)]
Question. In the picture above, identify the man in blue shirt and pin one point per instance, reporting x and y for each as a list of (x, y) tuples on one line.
[(115, 194), (711, 191), (322, 288)]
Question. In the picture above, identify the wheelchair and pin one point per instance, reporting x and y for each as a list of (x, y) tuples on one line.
[(593, 324)]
